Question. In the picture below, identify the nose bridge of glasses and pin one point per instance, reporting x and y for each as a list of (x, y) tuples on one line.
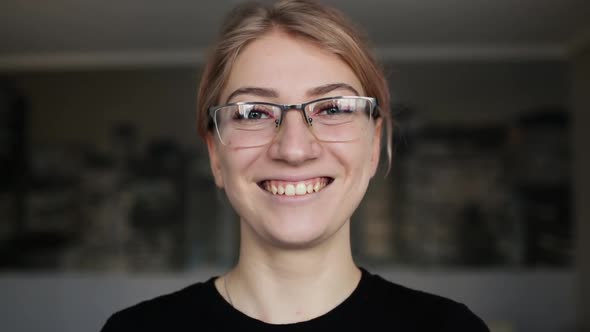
[(293, 107)]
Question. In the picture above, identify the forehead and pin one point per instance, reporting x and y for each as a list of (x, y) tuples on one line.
[(289, 65)]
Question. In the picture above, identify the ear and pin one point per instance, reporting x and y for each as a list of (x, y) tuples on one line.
[(214, 160), (376, 148)]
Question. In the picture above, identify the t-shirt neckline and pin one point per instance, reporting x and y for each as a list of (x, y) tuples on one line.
[(227, 312)]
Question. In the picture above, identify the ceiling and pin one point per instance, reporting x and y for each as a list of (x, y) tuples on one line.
[(66, 33)]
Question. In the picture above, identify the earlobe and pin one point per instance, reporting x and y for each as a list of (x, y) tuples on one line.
[(214, 161)]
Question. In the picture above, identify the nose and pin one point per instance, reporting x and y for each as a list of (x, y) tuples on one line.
[(294, 143)]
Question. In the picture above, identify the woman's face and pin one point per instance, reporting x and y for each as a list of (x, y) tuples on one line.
[(279, 68)]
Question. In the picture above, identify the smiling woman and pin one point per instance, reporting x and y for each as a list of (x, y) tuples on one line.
[(292, 107)]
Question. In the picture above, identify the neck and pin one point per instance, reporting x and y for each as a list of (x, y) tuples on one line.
[(279, 285)]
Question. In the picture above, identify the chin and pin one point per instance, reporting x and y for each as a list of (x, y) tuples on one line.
[(295, 234), (296, 242)]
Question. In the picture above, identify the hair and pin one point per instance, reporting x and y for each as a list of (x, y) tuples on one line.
[(325, 26)]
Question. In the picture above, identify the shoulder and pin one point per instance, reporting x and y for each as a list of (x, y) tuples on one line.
[(418, 309), (164, 312)]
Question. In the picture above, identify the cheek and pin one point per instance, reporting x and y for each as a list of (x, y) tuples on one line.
[(236, 164), (355, 158)]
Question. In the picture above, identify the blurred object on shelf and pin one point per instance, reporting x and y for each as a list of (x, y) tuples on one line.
[(540, 152), (458, 195), (455, 196), (471, 194)]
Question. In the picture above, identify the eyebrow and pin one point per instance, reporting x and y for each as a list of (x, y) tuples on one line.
[(271, 93), (323, 89), (248, 90)]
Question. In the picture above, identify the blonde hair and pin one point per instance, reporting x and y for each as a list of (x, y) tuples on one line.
[(325, 26)]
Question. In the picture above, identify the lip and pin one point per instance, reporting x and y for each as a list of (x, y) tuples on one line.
[(301, 179), (293, 178)]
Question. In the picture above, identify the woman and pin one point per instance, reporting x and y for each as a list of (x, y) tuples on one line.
[(292, 107)]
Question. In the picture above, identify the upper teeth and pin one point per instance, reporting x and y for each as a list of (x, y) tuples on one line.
[(294, 188)]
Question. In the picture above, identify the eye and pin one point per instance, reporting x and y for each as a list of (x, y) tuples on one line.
[(331, 108), (253, 112), (257, 114)]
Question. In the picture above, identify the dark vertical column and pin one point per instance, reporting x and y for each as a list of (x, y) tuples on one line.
[(13, 164), (581, 138)]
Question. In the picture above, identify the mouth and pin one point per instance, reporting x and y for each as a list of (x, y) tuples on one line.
[(295, 188)]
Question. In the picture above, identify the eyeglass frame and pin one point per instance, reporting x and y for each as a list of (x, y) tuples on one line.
[(373, 113)]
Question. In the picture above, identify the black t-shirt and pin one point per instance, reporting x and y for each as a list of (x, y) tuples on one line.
[(375, 305)]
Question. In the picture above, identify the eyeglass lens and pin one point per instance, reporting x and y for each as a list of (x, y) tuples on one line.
[(256, 124)]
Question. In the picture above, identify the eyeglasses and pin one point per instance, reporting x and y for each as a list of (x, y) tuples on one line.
[(333, 119)]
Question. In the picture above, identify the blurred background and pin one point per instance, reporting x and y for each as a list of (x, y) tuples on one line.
[(106, 198)]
